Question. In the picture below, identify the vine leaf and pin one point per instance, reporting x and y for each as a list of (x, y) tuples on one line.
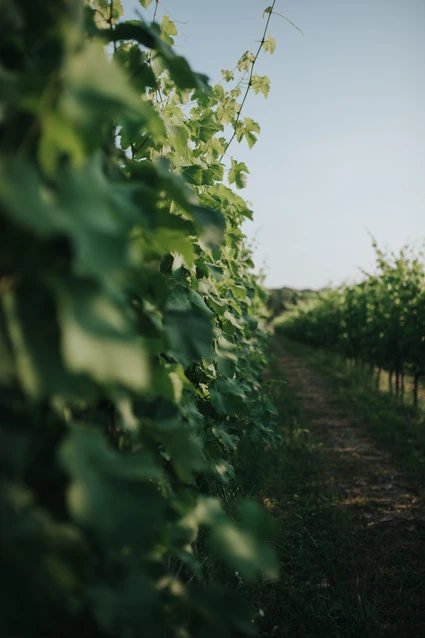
[(107, 489), (103, 16), (189, 335), (168, 30), (260, 84), (176, 65), (247, 129), (237, 174), (97, 340), (228, 76), (269, 45), (243, 546)]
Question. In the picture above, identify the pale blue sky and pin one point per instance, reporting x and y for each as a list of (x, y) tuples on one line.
[(342, 143)]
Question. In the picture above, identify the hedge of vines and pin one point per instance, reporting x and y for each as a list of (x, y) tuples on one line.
[(132, 330), (379, 321)]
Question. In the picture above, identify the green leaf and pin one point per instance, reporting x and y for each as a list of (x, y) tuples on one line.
[(133, 30), (183, 76), (245, 61), (168, 29), (223, 470), (229, 441), (177, 66), (145, 3), (269, 406), (238, 291), (185, 451), (226, 397), (106, 11), (226, 356), (193, 174), (245, 546), (228, 76), (237, 174), (189, 335), (212, 224), (98, 337), (59, 139), (113, 494), (179, 381), (164, 240), (260, 83), (94, 81), (32, 331), (248, 128), (269, 44), (136, 64), (94, 229), (229, 386)]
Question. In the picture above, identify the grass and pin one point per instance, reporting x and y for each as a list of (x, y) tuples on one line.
[(336, 579), (395, 425)]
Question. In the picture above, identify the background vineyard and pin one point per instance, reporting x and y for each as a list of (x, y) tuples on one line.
[(132, 331), (378, 322)]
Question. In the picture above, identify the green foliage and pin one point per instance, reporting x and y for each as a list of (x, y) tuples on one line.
[(282, 300), (379, 321), (132, 333)]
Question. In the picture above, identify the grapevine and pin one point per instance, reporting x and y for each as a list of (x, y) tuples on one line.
[(132, 332), (377, 322)]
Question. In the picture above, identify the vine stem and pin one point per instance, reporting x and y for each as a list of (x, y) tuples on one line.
[(156, 10), (111, 9), (238, 117), (157, 90)]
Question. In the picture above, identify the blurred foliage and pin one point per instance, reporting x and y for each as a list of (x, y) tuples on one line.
[(379, 321), (281, 300), (132, 332)]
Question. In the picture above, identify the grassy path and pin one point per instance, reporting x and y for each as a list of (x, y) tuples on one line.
[(373, 489), (351, 537)]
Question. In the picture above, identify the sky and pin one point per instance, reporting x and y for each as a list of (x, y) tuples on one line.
[(341, 152)]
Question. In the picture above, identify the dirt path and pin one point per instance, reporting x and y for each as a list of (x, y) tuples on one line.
[(386, 509)]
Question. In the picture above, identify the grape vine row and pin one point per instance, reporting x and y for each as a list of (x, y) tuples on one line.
[(132, 331), (379, 321)]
